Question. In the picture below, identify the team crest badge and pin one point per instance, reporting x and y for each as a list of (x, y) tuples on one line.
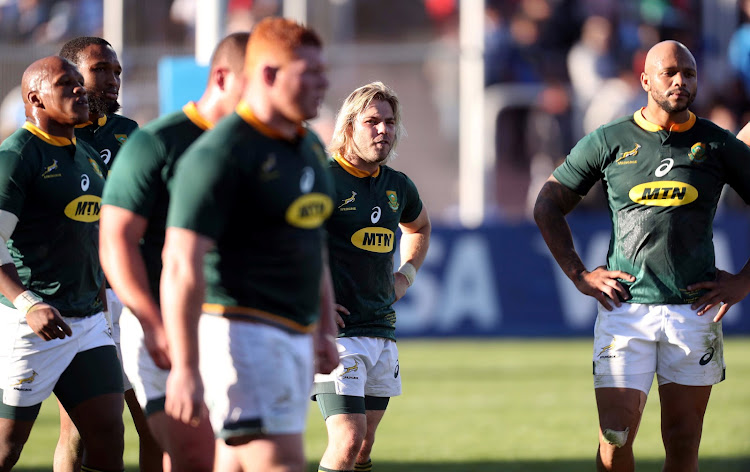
[(697, 152), (392, 199), (626, 154), (121, 138), (96, 167)]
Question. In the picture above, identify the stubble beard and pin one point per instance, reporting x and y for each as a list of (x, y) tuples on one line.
[(100, 106), (663, 101)]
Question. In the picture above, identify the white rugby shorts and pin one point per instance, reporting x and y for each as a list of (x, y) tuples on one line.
[(147, 379), (30, 366), (114, 308), (636, 341), (367, 366), (256, 377)]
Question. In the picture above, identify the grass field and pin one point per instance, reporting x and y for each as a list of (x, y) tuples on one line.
[(500, 405)]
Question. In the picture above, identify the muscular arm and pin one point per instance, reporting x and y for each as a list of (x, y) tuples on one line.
[(554, 202), (326, 353), (120, 232), (43, 318), (182, 292), (415, 240)]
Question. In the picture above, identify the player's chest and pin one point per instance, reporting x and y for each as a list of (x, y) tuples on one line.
[(651, 172), (360, 204), (71, 184), (294, 187)]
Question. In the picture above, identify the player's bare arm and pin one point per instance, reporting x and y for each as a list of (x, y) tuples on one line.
[(726, 290), (324, 338), (44, 319), (415, 240), (182, 291), (554, 202), (119, 249)]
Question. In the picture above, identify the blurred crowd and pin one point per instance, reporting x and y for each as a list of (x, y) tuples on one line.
[(581, 58)]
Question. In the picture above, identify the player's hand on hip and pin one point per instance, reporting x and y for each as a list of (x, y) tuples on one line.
[(184, 400), (157, 346), (47, 323), (604, 285), (400, 284), (725, 290), (340, 310), (326, 354)]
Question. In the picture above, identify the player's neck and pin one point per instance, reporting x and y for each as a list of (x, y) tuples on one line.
[(52, 127), (658, 116), (274, 119), (357, 162)]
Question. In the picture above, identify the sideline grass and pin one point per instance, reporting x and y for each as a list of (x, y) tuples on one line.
[(523, 405)]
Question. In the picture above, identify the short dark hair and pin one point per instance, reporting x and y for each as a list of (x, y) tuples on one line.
[(73, 48)]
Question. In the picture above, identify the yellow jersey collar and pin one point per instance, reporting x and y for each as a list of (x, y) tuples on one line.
[(191, 110), (243, 109), (48, 138), (101, 121), (347, 166), (641, 121)]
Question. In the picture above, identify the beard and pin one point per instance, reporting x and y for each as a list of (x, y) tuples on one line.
[(101, 106), (663, 101)]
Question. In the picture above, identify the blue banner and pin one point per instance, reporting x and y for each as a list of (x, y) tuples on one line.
[(501, 280)]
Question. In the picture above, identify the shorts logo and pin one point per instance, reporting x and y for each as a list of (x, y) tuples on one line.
[(392, 199), (395, 371), (353, 368), (632, 153), (606, 349), (27, 379), (348, 201), (697, 152), (707, 356)]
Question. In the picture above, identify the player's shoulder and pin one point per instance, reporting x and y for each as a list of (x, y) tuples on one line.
[(165, 123), (709, 126), (393, 174), (17, 142), (123, 123)]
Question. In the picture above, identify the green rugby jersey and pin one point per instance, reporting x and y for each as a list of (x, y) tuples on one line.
[(662, 187), (54, 186), (362, 239), (107, 136), (145, 166), (262, 199)]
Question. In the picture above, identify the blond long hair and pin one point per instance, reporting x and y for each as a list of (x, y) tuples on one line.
[(356, 103)]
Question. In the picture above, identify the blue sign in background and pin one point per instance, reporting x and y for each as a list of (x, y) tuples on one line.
[(501, 280)]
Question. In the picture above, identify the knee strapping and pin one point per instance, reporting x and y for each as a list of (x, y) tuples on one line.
[(616, 438)]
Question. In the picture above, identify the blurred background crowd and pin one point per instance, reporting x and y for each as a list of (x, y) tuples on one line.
[(554, 70)]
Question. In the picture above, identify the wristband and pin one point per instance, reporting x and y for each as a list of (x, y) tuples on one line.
[(408, 271), (26, 300)]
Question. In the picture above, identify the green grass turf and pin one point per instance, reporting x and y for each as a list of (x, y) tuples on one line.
[(500, 405)]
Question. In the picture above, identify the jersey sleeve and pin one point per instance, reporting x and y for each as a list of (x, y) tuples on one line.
[(15, 177), (135, 174), (737, 161), (413, 203), (201, 190), (583, 167)]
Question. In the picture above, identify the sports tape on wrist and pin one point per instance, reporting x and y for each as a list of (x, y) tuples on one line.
[(408, 271), (26, 300)]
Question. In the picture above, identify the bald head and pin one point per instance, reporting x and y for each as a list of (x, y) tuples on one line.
[(667, 50), (670, 78), (39, 74), (52, 89)]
